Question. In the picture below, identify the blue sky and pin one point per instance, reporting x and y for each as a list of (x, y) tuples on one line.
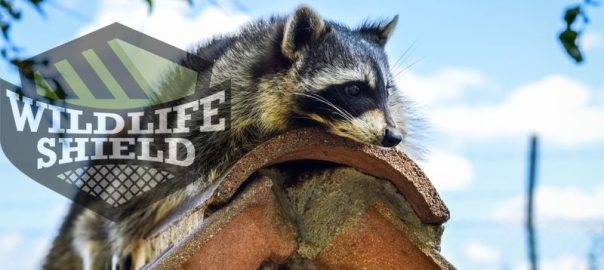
[(488, 74)]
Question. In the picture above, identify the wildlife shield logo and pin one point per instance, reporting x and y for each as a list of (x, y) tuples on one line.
[(110, 117)]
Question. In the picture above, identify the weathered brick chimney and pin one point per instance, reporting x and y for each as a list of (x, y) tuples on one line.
[(275, 209)]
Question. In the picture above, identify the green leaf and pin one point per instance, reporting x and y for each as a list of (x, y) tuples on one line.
[(150, 5), (568, 38), (24, 66), (36, 3), (6, 5), (37, 6), (571, 14), (5, 27)]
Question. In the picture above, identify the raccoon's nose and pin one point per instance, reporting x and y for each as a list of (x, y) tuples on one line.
[(392, 137)]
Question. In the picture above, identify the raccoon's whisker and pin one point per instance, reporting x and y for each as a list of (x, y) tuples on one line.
[(362, 123), (338, 110), (357, 122), (408, 68), (343, 116), (342, 112), (345, 113), (405, 55)]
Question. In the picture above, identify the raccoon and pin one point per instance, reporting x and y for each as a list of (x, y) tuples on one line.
[(286, 72)]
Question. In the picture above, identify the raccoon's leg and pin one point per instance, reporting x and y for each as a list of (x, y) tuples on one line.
[(62, 254), (91, 241), (128, 241), (137, 257), (140, 255), (94, 256)]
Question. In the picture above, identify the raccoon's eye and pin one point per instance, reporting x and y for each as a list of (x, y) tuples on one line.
[(352, 90)]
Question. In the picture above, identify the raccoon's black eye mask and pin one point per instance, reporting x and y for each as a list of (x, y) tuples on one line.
[(341, 101), (354, 89)]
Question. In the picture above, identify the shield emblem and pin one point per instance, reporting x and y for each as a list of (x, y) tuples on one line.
[(105, 119)]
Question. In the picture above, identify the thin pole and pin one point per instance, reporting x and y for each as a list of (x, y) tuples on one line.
[(530, 226)]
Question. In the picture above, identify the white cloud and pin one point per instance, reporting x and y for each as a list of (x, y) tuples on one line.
[(591, 40), (556, 204), (170, 21), (445, 85), (480, 253), (9, 242), (18, 251), (556, 107), (566, 262), (447, 171), (37, 253), (561, 109)]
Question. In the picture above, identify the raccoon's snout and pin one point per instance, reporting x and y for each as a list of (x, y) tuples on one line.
[(392, 137)]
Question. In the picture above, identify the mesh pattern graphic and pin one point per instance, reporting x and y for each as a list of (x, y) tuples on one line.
[(115, 184)]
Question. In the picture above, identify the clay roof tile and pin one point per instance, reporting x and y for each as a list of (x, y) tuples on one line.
[(251, 225)]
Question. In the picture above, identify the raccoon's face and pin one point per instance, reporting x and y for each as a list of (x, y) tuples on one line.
[(344, 78)]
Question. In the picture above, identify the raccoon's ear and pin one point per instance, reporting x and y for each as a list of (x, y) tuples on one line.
[(302, 28), (379, 32)]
